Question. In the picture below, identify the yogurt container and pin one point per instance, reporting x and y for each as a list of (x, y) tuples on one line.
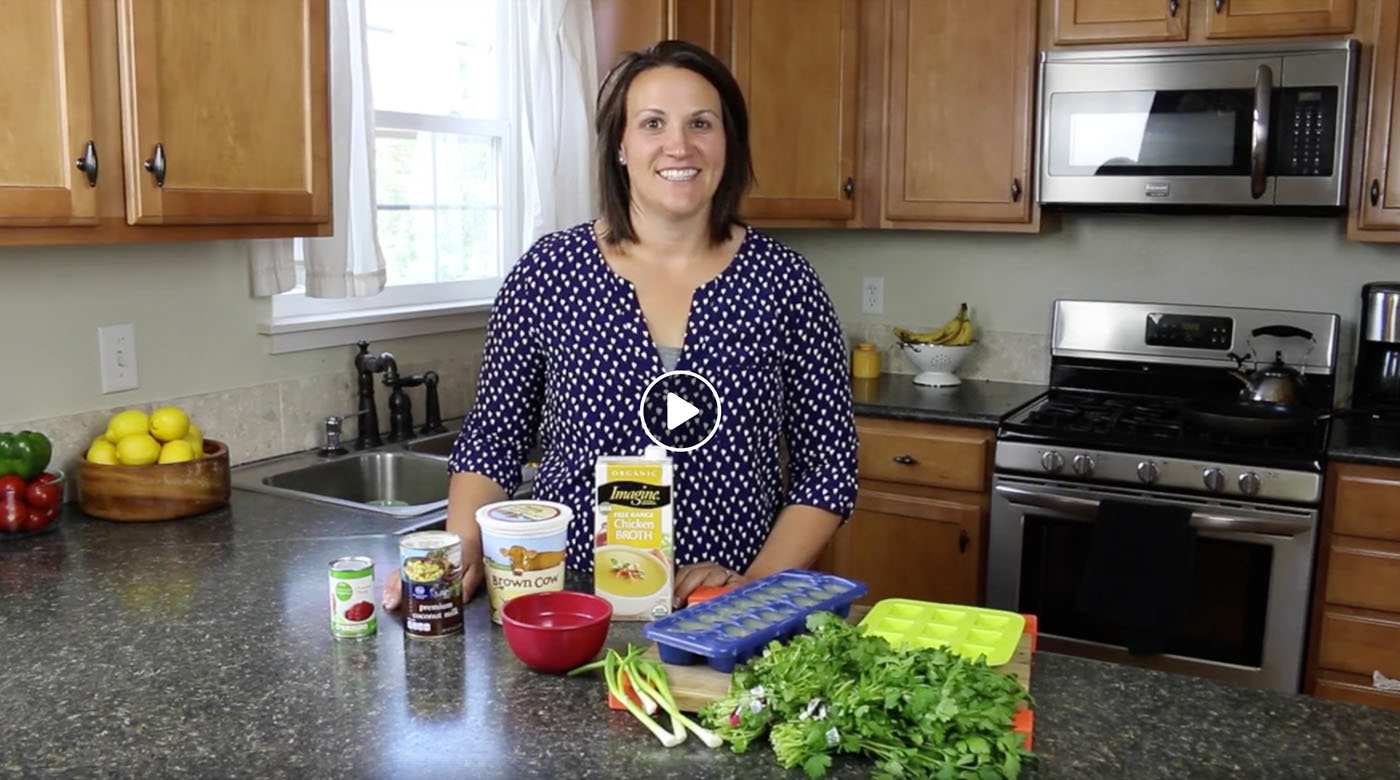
[(523, 543)]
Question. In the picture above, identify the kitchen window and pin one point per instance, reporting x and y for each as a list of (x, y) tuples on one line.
[(444, 154)]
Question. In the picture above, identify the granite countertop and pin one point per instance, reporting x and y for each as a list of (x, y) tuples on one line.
[(1365, 440), (974, 402), (202, 648)]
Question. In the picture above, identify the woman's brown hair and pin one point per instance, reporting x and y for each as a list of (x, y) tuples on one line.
[(613, 186)]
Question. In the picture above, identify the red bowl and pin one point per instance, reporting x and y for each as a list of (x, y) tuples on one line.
[(556, 630)]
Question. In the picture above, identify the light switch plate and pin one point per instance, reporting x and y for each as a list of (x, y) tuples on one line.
[(872, 295), (116, 350)]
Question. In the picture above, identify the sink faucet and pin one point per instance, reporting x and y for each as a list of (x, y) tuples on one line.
[(401, 409), (368, 365)]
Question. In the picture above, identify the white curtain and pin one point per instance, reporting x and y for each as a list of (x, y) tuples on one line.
[(348, 264), (553, 79)]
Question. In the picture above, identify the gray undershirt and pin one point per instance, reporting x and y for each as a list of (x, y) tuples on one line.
[(669, 356)]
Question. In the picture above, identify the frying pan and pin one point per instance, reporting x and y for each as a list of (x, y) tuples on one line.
[(1257, 420), (1250, 419)]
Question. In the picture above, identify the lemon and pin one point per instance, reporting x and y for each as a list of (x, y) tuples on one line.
[(102, 451), (177, 451), (138, 449), (196, 439), (127, 423), (169, 423)]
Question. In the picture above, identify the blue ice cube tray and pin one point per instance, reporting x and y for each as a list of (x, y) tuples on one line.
[(729, 629)]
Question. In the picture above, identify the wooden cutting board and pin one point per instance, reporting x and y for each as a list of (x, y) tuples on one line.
[(696, 685)]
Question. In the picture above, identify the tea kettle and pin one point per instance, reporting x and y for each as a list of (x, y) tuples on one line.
[(1277, 383)]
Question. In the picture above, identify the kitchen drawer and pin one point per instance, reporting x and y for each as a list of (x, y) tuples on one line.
[(919, 453), (1355, 689), (1360, 641), (1367, 501), (1364, 573)]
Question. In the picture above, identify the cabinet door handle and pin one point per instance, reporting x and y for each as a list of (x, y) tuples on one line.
[(907, 460), (849, 187), (88, 163), (1171, 7), (963, 541), (156, 165), (1375, 191), (1219, 6), (1015, 190)]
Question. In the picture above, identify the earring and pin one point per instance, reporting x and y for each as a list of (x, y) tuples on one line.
[(621, 160)]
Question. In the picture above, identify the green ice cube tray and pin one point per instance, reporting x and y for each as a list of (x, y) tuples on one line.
[(967, 631)]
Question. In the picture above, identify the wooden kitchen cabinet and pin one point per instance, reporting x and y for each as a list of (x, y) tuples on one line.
[(1274, 18), (796, 63), (906, 543), (46, 122), (1377, 217), (959, 121), (1117, 21), (919, 526), (620, 26), (868, 113), (235, 93), (1356, 606), (224, 107)]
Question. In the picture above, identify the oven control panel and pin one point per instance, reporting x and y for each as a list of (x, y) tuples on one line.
[(1196, 331), (1151, 471)]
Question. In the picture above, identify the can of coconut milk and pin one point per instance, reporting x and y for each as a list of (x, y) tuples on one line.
[(430, 567)]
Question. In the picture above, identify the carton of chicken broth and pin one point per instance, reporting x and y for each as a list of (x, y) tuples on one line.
[(633, 545)]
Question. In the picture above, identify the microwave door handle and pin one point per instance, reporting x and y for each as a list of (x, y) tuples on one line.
[(1259, 139), (1087, 509)]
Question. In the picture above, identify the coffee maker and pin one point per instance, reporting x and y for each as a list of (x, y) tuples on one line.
[(1377, 381)]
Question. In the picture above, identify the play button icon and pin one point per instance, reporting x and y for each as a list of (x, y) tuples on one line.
[(680, 410)]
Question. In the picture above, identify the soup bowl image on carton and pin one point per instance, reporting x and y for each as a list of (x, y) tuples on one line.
[(633, 547), (523, 543)]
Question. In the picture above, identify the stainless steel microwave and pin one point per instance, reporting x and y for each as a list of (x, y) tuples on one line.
[(1258, 126)]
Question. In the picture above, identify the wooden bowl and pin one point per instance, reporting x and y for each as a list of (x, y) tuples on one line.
[(155, 492)]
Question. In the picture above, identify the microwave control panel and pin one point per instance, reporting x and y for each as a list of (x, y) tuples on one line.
[(1189, 330), (1306, 124)]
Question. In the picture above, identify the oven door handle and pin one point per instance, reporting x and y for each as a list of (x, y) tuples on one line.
[(1087, 509)]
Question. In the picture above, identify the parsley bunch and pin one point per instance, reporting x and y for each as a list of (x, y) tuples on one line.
[(918, 713)]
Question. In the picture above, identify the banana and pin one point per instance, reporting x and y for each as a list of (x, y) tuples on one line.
[(952, 330), (964, 335)]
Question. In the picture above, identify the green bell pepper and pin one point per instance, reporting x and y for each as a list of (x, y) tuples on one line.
[(25, 454)]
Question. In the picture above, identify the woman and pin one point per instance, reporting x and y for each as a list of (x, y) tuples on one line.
[(666, 278)]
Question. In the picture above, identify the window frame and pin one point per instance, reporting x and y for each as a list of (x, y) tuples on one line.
[(294, 311)]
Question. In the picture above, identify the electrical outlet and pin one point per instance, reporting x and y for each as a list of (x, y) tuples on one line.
[(872, 295), (116, 351)]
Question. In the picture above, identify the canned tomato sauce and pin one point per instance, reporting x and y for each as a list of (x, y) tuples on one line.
[(352, 597), (430, 566)]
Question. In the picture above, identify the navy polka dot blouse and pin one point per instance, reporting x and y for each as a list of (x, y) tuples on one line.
[(568, 354)]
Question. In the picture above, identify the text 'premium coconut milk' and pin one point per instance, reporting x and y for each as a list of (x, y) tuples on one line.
[(633, 535)]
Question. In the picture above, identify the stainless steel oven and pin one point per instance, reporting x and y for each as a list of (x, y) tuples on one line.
[(1115, 441), (1245, 619), (1253, 126)]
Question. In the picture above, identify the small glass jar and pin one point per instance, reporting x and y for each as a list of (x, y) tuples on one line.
[(865, 361)]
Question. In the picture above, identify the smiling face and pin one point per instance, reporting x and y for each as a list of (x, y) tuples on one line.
[(673, 143)]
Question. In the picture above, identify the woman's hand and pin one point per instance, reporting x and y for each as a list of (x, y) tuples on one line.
[(699, 575), (393, 586)]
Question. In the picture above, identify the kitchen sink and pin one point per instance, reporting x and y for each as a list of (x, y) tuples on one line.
[(392, 482), (439, 445)]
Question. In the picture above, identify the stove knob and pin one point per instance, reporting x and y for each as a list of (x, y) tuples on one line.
[(1084, 464), (1214, 479), (1249, 483), (1147, 471), (1052, 461)]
